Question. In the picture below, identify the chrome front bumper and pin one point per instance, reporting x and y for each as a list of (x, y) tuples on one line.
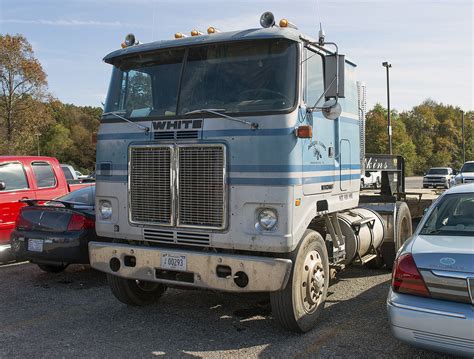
[(144, 263)]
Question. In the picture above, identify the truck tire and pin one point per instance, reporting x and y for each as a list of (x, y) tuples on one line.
[(51, 268), (297, 307), (404, 231), (134, 292)]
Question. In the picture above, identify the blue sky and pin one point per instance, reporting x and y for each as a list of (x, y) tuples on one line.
[(429, 43)]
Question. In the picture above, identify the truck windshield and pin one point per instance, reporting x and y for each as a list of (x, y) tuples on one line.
[(438, 171), (240, 77), (468, 167)]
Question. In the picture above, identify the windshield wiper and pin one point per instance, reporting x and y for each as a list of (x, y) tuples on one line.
[(116, 114), (218, 112)]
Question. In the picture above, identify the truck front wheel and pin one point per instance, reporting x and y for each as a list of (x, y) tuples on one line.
[(298, 306), (135, 292)]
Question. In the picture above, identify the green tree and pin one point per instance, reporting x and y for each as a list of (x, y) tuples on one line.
[(22, 84)]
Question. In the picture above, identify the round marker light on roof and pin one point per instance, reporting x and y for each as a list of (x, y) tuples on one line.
[(267, 19), (286, 23), (196, 33), (179, 35), (212, 30)]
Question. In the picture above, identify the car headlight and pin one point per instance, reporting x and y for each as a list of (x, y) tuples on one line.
[(105, 209), (267, 219)]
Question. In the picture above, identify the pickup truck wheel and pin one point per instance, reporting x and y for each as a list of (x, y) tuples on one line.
[(135, 292), (404, 231), (50, 268), (377, 183), (298, 306)]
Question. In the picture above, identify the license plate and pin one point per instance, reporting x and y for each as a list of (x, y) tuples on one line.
[(173, 261), (35, 245)]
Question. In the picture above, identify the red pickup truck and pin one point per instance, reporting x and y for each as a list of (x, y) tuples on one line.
[(25, 177)]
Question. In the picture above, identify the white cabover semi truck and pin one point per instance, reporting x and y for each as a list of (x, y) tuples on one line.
[(232, 161)]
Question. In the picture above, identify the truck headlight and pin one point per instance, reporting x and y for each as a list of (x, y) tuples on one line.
[(267, 219), (105, 209)]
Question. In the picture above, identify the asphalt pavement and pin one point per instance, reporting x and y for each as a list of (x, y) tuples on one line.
[(73, 314)]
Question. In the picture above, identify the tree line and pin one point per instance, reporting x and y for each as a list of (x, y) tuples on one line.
[(32, 121)]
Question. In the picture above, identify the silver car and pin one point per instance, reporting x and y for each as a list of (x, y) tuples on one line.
[(431, 300)]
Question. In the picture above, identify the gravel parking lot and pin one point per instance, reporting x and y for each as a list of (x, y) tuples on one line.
[(73, 314)]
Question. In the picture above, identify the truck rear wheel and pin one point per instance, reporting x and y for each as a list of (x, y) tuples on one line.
[(298, 306), (135, 292), (403, 230)]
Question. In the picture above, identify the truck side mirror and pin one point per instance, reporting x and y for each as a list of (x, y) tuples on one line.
[(3, 186), (334, 71)]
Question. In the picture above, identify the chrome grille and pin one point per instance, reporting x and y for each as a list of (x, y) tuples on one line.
[(150, 184), (166, 236), (201, 186)]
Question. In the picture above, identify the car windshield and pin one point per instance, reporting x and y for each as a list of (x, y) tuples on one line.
[(438, 171), (468, 167), (84, 195), (236, 77), (453, 215)]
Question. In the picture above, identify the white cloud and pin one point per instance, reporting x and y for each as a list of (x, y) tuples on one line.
[(64, 22)]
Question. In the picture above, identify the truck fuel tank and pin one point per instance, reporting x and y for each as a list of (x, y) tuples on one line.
[(363, 230)]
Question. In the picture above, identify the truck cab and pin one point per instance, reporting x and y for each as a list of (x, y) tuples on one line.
[(228, 161)]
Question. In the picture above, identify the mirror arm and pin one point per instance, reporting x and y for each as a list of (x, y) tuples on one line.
[(315, 107)]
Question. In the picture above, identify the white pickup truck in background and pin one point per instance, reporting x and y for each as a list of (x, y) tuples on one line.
[(371, 179)]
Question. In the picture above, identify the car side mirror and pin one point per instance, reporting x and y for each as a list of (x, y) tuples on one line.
[(3, 186)]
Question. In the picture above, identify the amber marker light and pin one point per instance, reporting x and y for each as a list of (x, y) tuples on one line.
[(212, 30), (179, 35), (196, 33), (298, 202), (286, 23), (305, 131)]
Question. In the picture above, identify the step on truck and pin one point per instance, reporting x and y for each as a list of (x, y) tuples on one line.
[(231, 161)]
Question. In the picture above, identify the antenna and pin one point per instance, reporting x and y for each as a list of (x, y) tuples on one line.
[(322, 35)]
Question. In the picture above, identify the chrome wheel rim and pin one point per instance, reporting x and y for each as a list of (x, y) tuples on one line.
[(312, 282)]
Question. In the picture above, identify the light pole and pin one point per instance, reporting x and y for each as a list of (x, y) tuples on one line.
[(38, 141), (389, 126), (463, 143)]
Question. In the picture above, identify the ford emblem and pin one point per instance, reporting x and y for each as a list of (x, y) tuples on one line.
[(447, 261)]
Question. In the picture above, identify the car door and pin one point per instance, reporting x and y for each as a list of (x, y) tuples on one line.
[(18, 187)]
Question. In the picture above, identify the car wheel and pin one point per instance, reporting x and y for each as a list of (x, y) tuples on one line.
[(297, 307), (50, 268), (135, 292), (403, 232)]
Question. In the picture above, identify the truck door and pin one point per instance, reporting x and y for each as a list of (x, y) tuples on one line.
[(318, 152)]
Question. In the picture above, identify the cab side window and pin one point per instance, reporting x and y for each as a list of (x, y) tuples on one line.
[(314, 77), (44, 174), (14, 177)]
